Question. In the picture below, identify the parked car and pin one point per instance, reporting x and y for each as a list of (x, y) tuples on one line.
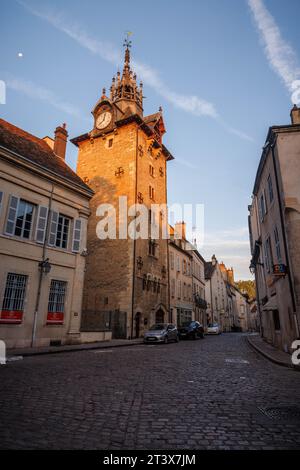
[(191, 330), (213, 329), (161, 333)]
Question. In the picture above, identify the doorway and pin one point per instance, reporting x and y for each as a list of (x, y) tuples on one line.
[(137, 324), (159, 316)]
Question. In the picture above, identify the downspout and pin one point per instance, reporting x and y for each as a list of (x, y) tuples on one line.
[(284, 238), (38, 296), (134, 241)]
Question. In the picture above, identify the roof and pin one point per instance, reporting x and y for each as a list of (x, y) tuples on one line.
[(146, 126), (208, 269), (269, 142), (152, 118), (36, 150)]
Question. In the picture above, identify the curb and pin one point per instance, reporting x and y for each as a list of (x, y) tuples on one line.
[(71, 349), (271, 358)]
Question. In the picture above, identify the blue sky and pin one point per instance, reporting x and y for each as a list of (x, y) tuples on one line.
[(221, 70)]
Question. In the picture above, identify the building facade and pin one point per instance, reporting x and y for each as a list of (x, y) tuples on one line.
[(180, 274), (124, 161), (274, 225), (198, 275), (44, 208), (215, 293)]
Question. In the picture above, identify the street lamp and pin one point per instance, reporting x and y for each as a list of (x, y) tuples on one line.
[(45, 266)]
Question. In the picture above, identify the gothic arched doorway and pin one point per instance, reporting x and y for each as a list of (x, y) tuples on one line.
[(137, 324), (159, 316)]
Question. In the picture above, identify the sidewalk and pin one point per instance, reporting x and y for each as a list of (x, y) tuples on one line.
[(114, 343), (270, 352)]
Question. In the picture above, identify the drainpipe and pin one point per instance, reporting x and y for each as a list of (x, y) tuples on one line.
[(134, 241), (284, 238), (38, 296)]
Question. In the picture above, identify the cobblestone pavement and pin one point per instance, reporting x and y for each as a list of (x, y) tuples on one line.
[(204, 394)]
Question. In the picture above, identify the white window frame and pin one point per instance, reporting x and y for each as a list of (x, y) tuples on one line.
[(43, 227)]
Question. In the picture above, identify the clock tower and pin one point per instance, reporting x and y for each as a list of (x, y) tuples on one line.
[(126, 280)]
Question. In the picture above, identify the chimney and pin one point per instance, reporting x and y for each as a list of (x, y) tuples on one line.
[(230, 275), (213, 260), (180, 231), (295, 114), (60, 141)]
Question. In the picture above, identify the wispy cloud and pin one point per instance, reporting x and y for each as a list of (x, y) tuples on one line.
[(35, 91), (189, 103), (279, 52)]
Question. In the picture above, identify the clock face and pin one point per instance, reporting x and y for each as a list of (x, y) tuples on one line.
[(103, 120)]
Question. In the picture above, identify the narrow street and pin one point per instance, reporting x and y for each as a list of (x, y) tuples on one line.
[(205, 394)]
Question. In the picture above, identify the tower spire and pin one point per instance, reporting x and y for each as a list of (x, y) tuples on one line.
[(124, 90)]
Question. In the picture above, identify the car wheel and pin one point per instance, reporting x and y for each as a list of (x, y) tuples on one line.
[(166, 340), (177, 339), (195, 335)]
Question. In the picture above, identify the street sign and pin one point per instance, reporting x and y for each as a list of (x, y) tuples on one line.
[(279, 269)]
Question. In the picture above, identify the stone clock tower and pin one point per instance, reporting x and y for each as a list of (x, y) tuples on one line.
[(126, 281)]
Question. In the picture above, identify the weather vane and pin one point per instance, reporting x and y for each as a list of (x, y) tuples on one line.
[(127, 42)]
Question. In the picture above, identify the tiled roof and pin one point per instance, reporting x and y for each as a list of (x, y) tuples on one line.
[(37, 151), (152, 118)]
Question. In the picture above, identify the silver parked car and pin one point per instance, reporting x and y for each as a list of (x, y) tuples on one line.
[(213, 329), (161, 333)]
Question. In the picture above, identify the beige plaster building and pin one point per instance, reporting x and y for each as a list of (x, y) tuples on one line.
[(181, 279), (126, 283), (198, 275), (44, 208), (215, 293), (274, 224)]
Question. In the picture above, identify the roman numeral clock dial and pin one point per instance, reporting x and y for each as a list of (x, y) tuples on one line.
[(103, 120)]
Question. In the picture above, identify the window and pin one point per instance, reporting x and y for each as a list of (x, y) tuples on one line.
[(110, 143), (14, 296), (178, 289), (173, 288), (262, 207), (152, 247), (19, 220), (270, 188), (268, 255), (276, 320), (151, 192), (41, 225), (59, 230), (56, 302), (277, 245), (172, 260), (62, 232), (1, 197), (76, 235), (177, 264), (151, 170)]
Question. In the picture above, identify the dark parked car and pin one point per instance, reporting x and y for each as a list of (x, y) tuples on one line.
[(191, 330), (161, 333)]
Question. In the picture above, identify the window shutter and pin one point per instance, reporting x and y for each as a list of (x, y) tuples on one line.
[(12, 215), (76, 235), (53, 228), (41, 224)]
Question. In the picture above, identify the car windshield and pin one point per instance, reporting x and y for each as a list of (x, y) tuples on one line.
[(159, 326), (212, 325), (186, 323)]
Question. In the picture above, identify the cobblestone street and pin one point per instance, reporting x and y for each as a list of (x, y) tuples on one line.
[(205, 394)]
